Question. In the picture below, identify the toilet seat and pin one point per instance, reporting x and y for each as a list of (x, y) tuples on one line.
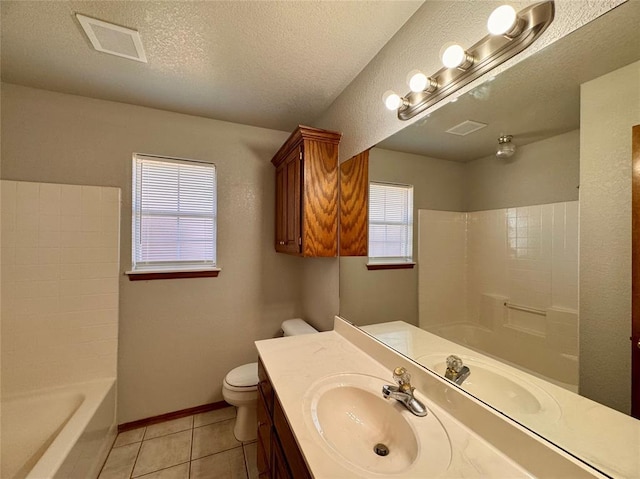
[(242, 378)]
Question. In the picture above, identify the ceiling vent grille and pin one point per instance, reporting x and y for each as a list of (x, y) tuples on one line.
[(466, 127), (113, 39)]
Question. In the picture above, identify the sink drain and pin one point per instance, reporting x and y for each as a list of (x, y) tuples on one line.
[(380, 449)]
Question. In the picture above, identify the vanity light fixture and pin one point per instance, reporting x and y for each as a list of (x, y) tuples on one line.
[(511, 33), (506, 149)]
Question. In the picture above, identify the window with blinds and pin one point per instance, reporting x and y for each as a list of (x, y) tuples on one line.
[(390, 222), (174, 214)]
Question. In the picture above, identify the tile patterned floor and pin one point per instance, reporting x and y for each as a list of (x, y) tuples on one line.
[(194, 447)]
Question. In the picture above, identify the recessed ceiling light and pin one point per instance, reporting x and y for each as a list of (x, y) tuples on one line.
[(113, 39), (466, 127)]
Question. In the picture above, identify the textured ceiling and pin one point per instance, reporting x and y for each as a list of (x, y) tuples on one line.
[(273, 64), (534, 100)]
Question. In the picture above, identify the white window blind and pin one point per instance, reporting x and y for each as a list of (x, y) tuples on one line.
[(390, 222), (174, 214)]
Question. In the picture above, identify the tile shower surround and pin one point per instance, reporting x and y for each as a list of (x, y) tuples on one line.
[(60, 253), (528, 255)]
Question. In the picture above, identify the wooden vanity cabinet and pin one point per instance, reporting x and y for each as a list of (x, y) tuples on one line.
[(279, 456), (307, 193)]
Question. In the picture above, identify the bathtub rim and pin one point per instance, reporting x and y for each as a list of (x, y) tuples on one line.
[(94, 392)]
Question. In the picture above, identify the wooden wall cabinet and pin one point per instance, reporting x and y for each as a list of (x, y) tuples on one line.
[(354, 205), (307, 193), (279, 456)]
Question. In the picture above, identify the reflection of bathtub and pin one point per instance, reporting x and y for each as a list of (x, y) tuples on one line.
[(531, 352), (60, 433)]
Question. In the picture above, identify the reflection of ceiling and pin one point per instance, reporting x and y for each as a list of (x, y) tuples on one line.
[(536, 99), (269, 64)]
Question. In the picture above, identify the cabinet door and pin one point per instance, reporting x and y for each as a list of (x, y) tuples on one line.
[(294, 459), (264, 436), (279, 469), (293, 201), (281, 209)]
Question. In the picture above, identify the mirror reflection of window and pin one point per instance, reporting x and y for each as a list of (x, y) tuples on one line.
[(390, 223)]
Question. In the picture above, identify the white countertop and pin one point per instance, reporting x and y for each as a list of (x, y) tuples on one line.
[(294, 364)]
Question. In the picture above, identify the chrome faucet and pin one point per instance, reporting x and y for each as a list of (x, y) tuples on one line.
[(403, 392), (456, 370)]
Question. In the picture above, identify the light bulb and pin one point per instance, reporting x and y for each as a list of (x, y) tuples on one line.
[(502, 20), (417, 80), (454, 56), (506, 149), (392, 100)]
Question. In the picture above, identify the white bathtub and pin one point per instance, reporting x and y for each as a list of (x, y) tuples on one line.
[(533, 353), (59, 433)]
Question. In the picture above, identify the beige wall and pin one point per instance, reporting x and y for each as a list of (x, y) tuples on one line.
[(610, 106), (546, 171), (368, 297), (178, 338)]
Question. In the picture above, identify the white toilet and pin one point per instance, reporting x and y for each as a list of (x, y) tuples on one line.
[(240, 386)]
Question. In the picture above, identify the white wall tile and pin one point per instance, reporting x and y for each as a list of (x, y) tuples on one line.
[(91, 199), (27, 199), (60, 284), (109, 223), (71, 200), (48, 239), (26, 256), (90, 222), (9, 199), (527, 255), (27, 222), (70, 222), (49, 199)]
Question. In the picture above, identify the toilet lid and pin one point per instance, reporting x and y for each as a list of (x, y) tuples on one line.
[(243, 376)]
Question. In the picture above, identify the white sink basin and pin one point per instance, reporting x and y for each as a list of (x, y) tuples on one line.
[(350, 418), (498, 387)]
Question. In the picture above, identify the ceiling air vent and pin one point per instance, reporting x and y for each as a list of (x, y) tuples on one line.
[(466, 127), (114, 39)]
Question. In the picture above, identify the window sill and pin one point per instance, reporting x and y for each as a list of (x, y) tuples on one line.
[(172, 274), (377, 266)]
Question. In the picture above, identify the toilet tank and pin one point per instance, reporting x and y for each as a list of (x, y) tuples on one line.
[(297, 326)]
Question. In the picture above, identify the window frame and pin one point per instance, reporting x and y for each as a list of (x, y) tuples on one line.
[(169, 269), (393, 262)]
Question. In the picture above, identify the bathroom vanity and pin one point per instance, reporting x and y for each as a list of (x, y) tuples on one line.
[(321, 414), (278, 452)]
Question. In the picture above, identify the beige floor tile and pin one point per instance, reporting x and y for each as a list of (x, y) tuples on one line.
[(213, 438), (251, 459), (180, 471), (210, 417), (162, 452), (120, 462), (129, 437), (227, 464), (169, 427)]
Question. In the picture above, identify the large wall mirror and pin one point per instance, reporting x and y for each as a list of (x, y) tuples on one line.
[(523, 264)]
